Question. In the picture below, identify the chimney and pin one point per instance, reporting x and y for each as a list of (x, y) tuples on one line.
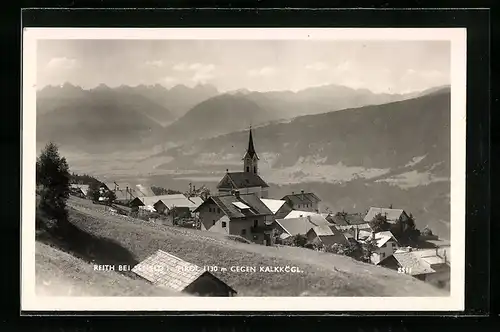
[(356, 234), (293, 193), (302, 192), (127, 192), (237, 193), (437, 254), (373, 235)]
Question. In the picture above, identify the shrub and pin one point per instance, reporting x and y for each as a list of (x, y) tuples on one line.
[(379, 223)]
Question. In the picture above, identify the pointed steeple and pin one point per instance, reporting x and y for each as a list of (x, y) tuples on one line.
[(251, 149), (250, 160)]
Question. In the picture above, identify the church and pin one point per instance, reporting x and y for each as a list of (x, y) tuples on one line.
[(248, 181)]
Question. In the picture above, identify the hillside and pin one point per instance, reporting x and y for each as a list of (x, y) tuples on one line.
[(60, 274), (323, 274), (396, 153), (215, 116)]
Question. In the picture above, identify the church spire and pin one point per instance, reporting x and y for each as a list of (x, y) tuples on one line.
[(250, 160), (251, 149)]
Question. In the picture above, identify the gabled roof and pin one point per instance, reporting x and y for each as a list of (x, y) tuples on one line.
[(170, 201), (299, 214), (381, 237), (273, 204), (143, 191), (294, 226), (225, 202), (364, 226), (348, 219), (392, 215), (196, 200), (302, 198), (413, 263), (83, 187), (240, 180), (168, 271)]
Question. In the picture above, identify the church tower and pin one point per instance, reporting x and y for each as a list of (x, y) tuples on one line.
[(250, 160)]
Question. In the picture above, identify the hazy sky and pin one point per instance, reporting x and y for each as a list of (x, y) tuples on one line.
[(381, 66)]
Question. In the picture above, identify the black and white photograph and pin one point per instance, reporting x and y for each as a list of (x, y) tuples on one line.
[(322, 166)]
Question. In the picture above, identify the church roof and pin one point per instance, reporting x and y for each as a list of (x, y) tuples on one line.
[(239, 180), (251, 149)]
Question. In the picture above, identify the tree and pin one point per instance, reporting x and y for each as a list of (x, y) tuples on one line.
[(296, 241), (53, 179), (379, 223), (110, 197), (94, 191)]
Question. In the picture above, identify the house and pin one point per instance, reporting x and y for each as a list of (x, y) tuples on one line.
[(385, 244), (428, 265), (248, 181), (177, 204), (299, 226), (166, 270), (237, 214), (80, 190), (143, 191), (303, 201), (392, 216), (344, 219), (278, 207), (326, 235), (351, 228)]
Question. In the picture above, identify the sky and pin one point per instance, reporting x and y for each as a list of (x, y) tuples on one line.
[(257, 65)]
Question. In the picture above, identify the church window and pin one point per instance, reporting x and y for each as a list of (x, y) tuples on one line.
[(255, 169), (248, 169)]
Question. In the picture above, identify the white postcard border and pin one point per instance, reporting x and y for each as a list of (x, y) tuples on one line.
[(454, 302)]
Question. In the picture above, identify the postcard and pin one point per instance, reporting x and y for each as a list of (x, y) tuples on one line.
[(243, 169)]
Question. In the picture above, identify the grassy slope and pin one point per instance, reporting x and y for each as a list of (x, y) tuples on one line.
[(60, 274), (323, 273)]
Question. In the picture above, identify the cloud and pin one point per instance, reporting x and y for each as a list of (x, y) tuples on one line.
[(154, 63), (317, 66), (61, 63), (265, 71), (344, 66)]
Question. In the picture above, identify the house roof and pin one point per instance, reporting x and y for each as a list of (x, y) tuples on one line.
[(273, 204), (225, 202), (169, 271), (294, 226), (239, 180), (364, 226), (415, 264), (170, 201), (381, 237), (196, 200), (143, 191), (348, 219), (302, 198), (83, 187), (299, 214), (392, 215)]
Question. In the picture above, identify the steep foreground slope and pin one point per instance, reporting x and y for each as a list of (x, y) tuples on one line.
[(60, 274), (322, 274)]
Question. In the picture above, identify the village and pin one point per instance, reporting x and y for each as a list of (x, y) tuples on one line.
[(243, 207)]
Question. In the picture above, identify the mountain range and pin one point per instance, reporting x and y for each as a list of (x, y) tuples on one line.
[(396, 153)]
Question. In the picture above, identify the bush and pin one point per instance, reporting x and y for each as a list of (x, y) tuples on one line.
[(53, 179), (296, 241)]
